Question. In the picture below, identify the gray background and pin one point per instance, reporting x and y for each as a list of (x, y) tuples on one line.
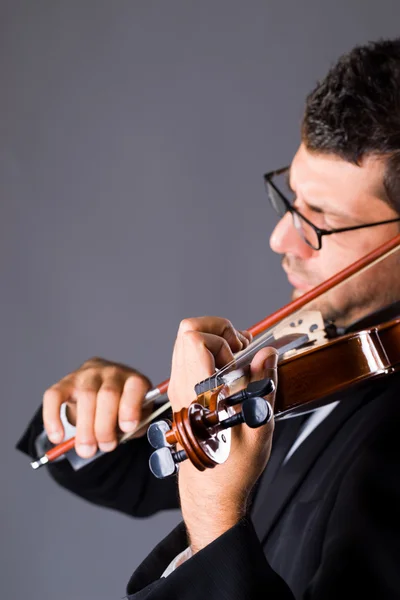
[(133, 139)]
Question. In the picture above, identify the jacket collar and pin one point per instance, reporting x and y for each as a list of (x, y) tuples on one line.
[(387, 313)]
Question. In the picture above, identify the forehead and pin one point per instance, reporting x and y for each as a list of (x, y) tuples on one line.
[(330, 181)]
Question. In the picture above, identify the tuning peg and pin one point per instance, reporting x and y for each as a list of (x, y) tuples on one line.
[(164, 463), (263, 387), (255, 412), (156, 434)]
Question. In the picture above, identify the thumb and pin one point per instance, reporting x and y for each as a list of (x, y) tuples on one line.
[(263, 365)]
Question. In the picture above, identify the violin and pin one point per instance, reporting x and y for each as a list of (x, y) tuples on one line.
[(227, 399), (202, 429)]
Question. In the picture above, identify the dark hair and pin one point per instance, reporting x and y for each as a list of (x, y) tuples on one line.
[(355, 110)]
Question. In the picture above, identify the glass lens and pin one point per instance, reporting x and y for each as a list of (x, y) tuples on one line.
[(307, 232), (281, 181), (277, 202)]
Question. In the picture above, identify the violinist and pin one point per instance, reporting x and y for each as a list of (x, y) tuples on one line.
[(308, 507)]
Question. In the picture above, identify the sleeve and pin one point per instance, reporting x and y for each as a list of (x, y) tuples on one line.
[(178, 560), (120, 480), (361, 553), (233, 567)]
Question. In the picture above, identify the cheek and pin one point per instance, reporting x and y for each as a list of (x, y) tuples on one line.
[(333, 256), (330, 260)]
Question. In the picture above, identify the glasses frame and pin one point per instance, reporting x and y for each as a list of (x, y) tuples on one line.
[(318, 231)]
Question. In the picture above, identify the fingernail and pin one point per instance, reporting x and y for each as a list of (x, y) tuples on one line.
[(107, 446), (86, 450), (271, 362), (128, 425)]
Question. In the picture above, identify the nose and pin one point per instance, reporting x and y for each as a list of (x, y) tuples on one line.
[(285, 239)]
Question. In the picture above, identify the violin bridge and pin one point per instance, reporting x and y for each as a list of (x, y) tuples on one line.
[(310, 323)]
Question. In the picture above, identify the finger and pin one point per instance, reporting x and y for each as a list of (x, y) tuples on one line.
[(52, 400), (216, 346), (246, 334), (264, 364), (130, 406), (203, 352), (196, 355), (105, 424), (214, 325), (85, 397)]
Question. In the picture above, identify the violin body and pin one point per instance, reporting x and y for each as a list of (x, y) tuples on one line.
[(317, 376)]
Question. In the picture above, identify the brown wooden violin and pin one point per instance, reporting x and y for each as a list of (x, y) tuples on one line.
[(227, 399)]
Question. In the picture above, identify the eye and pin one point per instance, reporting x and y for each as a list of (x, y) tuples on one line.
[(333, 222), (314, 214)]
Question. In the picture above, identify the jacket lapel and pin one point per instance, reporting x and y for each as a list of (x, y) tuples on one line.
[(276, 488), (285, 433)]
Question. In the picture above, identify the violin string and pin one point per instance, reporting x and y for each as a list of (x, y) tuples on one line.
[(240, 357), (146, 421), (259, 342)]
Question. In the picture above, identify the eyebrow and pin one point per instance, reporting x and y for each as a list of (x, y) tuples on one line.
[(311, 206)]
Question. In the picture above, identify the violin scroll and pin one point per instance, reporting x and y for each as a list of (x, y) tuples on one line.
[(203, 432)]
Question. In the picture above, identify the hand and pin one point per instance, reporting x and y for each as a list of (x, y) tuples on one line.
[(216, 499), (103, 399)]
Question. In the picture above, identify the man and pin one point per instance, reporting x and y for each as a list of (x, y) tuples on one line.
[(321, 520)]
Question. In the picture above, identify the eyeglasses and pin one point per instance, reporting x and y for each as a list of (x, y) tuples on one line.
[(310, 232)]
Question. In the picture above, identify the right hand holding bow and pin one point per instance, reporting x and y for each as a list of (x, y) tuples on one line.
[(103, 399)]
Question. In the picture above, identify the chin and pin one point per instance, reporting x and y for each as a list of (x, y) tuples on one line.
[(296, 293), (313, 304)]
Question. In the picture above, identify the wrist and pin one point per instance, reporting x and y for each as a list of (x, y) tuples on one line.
[(202, 529)]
